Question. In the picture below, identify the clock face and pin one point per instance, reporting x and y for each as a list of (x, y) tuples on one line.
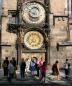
[(33, 40), (33, 13)]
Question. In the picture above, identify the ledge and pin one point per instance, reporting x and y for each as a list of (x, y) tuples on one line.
[(33, 51)]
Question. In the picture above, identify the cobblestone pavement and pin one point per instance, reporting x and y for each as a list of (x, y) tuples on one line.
[(24, 83), (50, 79)]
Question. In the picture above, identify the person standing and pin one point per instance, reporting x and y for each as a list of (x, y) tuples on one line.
[(27, 65), (32, 67), (43, 71), (67, 68), (40, 63), (10, 70), (5, 66), (36, 66), (22, 69), (55, 69), (15, 66)]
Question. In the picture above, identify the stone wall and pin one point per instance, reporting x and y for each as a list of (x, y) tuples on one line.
[(10, 4), (59, 33), (57, 7), (6, 37)]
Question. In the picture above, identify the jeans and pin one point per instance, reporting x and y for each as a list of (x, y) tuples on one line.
[(10, 76), (22, 72), (5, 71)]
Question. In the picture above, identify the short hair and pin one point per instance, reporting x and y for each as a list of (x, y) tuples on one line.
[(66, 59), (57, 61), (6, 57), (13, 57), (44, 63), (10, 61)]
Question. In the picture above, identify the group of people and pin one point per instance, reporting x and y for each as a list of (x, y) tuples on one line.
[(35, 66), (56, 69), (9, 68)]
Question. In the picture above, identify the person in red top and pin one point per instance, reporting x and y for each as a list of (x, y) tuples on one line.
[(40, 63), (43, 70)]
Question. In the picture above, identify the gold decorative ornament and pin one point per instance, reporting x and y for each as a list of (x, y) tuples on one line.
[(33, 40)]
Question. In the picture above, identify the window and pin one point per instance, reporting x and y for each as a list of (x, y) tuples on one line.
[(68, 7), (1, 6)]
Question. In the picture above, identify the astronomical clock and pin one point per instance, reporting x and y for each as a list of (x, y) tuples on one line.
[(32, 17), (32, 21)]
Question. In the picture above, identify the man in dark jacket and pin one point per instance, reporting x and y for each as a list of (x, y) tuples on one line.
[(67, 68), (22, 68), (5, 66)]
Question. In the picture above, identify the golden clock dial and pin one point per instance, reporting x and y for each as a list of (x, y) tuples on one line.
[(33, 40), (33, 13)]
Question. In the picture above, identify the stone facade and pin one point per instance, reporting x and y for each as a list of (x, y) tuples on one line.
[(58, 33), (8, 38)]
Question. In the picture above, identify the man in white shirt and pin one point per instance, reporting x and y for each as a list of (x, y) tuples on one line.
[(27, 65), (67, 68)]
